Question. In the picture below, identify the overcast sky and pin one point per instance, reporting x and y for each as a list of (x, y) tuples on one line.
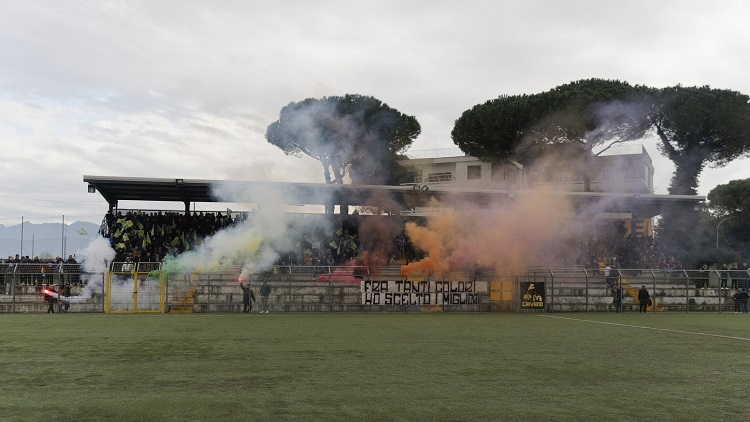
[(186, 89)]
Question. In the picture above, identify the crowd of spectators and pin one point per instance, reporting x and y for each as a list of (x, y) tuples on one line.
[(627, 252), (140, 236), (42, 271), (153, 236)]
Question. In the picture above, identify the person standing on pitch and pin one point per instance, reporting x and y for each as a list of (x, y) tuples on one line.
[(644, 300), (743, 298), (265, 291), (247, 297), (50, 299), (736, 301), (617, 298)]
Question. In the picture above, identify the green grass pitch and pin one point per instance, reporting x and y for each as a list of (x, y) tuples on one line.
[(375, 367)]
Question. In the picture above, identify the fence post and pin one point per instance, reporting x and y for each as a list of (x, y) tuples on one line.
[(330, 295), (653, 289), (721, 291), (166, 294), (586, 288), (104, 291), (442, 301), (13, 290), (289, 289), (687, 291), (552, 290)]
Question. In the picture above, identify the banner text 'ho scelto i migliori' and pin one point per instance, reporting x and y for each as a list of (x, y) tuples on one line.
[(422, 292)]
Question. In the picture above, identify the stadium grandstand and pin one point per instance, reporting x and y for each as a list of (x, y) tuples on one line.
[(144, 240), (158, 234)]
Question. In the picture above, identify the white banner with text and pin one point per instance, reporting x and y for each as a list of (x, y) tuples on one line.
[(422, 292)]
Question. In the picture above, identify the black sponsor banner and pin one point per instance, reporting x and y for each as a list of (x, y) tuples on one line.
[(422, 292), (532, 295)]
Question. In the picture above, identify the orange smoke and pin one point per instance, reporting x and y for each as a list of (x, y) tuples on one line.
[(513, 234), (377, 232)]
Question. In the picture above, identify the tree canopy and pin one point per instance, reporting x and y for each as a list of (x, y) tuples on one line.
[(573, 119), (731, 199), (353, 133), (699, 127), (731, 202), (696, 126), (582, 114)]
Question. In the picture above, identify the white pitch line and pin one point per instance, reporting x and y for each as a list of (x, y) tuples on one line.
[(650, 328)]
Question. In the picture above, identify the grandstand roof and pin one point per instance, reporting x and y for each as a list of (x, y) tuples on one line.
[(115, 189)]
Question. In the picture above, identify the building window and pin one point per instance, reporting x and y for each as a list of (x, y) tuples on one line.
[(440, 177), (496, 172), (474, 172), (504, 173), (500, 172)]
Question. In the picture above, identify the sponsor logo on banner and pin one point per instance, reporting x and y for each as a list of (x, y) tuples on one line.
[(532, 295)]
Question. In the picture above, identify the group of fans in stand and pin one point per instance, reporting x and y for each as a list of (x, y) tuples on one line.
[(41, 271), (153, 236)]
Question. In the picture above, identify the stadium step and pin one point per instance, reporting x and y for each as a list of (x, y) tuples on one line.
[(183, 301)]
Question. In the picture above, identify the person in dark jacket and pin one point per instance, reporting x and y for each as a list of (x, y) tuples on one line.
[(724, 276), (265, 291), (65, 292), (617, 298), (247, 297), (644, 299), (743, 299), (702, 281), (736, 301)]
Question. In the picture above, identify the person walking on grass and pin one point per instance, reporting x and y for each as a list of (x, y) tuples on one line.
[(247, 297), (644, 299)]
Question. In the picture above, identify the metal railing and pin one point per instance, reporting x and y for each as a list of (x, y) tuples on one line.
[(31, 287), (343, 289)]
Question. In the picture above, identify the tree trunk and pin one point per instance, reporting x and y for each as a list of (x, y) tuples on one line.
[(338, 175), (326, 171), (688, 163), (687, 169)]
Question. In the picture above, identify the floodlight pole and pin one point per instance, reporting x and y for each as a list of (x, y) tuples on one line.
[(717, 230)]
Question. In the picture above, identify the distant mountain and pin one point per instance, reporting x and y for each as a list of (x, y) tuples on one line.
[(46, 240)]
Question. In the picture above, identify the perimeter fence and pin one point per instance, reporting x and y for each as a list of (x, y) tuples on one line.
[(148, 287), (33, 287)]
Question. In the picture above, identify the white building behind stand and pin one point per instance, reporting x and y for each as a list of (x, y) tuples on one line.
[(627, 169)]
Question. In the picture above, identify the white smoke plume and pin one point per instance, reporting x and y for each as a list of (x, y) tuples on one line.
[(255, 243), (95, 260)]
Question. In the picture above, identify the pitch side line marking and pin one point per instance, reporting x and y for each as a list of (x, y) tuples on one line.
[(650, 328)]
